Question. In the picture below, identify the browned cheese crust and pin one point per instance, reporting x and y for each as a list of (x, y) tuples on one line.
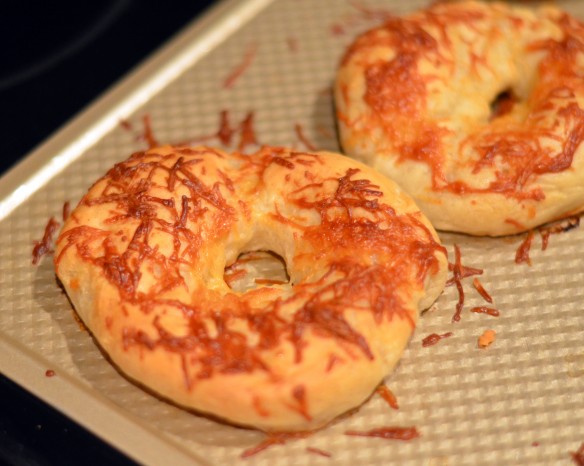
[(476, 109), (143, 258)]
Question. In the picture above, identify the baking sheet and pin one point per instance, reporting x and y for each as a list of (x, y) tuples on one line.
[(519, 401)]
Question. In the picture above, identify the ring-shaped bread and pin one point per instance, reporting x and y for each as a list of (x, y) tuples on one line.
[(143, 256), (475, 109)]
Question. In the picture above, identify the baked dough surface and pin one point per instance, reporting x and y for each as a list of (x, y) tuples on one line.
[(143, 257), (475, 109)]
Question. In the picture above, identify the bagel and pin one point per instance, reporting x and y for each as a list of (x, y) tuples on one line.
[(143, 257), (476, 109)]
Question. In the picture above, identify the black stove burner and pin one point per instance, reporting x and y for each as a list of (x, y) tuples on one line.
[(42, 40)]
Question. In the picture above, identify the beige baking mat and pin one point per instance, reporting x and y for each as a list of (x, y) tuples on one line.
[(518, 401)]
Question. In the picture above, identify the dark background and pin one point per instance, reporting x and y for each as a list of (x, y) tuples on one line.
[(57, 57)]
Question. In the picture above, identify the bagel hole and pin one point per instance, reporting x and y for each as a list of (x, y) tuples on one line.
[(256, 269), (503, 103)]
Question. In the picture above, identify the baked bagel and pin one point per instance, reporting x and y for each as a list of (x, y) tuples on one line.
[(476, 109), (143, 257)]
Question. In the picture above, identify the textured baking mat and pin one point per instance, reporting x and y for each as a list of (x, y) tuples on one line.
[(264, 69)]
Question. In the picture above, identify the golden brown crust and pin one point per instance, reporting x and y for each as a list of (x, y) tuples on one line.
[(476, 109), (143, 255)]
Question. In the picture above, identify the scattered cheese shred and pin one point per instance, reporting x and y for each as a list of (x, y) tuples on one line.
[(487, 338)]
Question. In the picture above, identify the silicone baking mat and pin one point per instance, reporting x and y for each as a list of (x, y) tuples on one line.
[(271, 64)]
